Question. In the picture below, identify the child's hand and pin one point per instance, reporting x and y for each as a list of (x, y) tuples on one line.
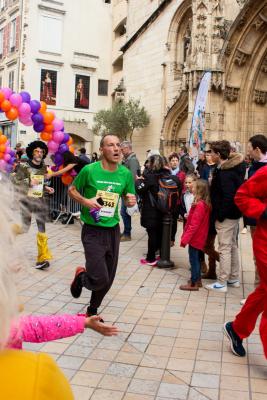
[(185, 216), (104, 329)]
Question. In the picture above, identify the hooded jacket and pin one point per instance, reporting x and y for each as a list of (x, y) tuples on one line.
[(131, 162), (227, 178)]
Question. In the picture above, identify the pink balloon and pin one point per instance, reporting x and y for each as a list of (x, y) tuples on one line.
[(7, 157), (58, 124), (16, 100), (52, 146), (26, 121), (24, 110), (8, 149), (2, 165), (7, 92), (58, 136)]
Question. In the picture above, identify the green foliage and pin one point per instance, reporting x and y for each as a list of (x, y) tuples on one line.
[(122, 119)]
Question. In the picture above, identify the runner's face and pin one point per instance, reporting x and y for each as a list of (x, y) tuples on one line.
[(38, 154), (111, 149)]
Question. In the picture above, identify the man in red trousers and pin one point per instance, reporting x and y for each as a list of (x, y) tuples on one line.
[(251, 198)]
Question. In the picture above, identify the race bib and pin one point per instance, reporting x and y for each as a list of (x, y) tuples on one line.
[(110, 202), (37, 190)]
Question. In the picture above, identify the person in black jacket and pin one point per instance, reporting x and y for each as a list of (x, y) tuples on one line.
[(147, 188), (227, 178)]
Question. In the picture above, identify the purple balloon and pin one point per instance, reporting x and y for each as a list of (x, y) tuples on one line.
[(38, 127), (58, 159), (9, 168), (37, 118), (63, 148), (11, 161), (12, 153), (26, 97), (35, 106), (66, 138)]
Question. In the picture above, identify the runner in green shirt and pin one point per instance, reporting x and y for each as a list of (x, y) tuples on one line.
[(101, 184)]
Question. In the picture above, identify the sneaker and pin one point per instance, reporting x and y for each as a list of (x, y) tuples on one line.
[(233, 283), (143, 261), (244, 231), (217, 287), (76, 286), (42, 265), (92, 311), (125, 238), (235, 341), (242, 302)]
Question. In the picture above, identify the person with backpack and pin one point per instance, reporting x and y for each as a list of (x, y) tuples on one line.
[(196, 232), (158, 190)]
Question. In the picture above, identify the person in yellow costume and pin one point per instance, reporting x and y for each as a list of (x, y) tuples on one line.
[(23, 375), (29, 179)]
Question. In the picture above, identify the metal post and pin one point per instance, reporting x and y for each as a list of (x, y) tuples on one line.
[(165, 261)]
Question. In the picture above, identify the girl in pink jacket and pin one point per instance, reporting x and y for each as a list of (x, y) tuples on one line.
[(196, 231), (44, 328)]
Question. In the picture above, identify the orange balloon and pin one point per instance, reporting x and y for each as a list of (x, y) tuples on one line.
[(2, 148), (48, 117), (46, 136), (66, 179), (1, 156), (2, 97), (12, 114), (72, 150), (3, 139), (6, 105), (48, 128), (70, 141), (43, 107)]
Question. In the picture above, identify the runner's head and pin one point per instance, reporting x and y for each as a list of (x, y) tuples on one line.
[(110, 148)]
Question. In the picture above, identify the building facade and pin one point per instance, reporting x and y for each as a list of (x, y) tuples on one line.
[(171, 43), (60, 53)]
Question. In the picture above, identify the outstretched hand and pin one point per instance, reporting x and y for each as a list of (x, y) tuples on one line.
[(100, 327)]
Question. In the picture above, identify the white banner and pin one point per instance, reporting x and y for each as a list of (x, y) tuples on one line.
[(198, 128)]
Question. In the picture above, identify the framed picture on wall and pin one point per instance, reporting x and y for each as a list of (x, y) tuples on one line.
[(82, 89), (48, 87)]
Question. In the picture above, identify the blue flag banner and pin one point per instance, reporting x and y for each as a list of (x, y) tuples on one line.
[(198, 129)]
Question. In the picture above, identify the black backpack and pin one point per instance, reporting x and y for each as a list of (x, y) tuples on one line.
[(168, 196)]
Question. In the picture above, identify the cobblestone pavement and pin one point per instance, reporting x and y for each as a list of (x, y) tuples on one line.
[(171, 344)]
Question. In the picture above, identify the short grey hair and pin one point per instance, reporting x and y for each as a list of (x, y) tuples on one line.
[(126, 143)]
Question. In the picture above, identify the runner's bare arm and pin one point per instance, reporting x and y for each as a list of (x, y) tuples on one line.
[(75, 195)]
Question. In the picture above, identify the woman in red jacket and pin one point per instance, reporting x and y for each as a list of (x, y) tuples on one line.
[(196, 231), (251, 199)]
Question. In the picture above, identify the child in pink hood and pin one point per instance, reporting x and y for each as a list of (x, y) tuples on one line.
[(196, 231), (44, 328)]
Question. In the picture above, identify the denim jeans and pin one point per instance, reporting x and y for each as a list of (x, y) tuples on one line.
[(195, 263), (127, 220)]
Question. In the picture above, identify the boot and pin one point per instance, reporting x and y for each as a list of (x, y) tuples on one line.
[(198, 283), (190, 286), (204, 267), (211, 274), (43, 251)]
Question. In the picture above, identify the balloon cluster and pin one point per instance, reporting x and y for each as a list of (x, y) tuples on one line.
[(33, 113), (7, 155)]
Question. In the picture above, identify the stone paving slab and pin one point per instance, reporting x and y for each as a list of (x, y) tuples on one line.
[(171, 345)]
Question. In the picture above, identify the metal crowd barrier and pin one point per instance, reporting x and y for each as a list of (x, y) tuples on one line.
[(61, 203)]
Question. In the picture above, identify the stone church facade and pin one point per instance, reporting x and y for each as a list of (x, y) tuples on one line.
[(168, 47)]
